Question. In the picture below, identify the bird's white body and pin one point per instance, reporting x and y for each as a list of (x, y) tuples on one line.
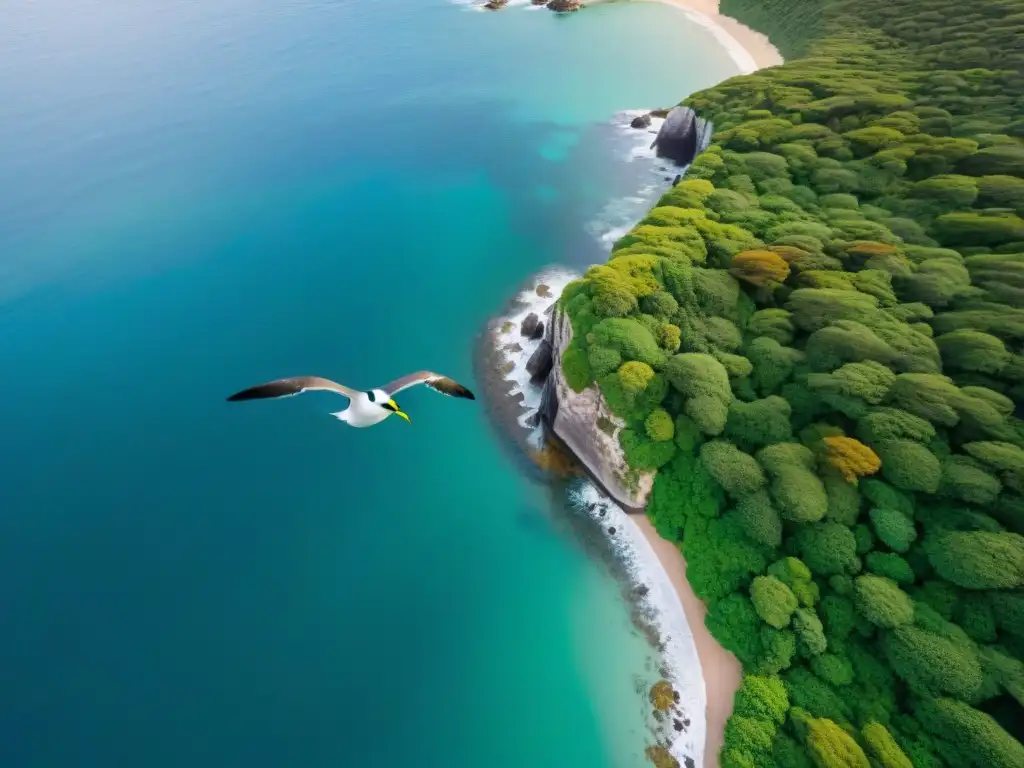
[(362, 412), (364, 408)]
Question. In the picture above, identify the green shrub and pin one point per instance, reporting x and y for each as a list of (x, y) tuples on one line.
[(773, 601), (976, 738), (909, 465), (737, 472), (881, 602), (576, 367), (827, 548), (894, 528), (930, 664), (889, 565), (979, 559), (659, 425), (759, 519), (642, 453)]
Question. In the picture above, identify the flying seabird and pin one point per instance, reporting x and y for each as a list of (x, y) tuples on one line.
[(365, 408)]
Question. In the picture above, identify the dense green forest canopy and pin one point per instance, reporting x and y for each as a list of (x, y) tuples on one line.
[(817, 341)]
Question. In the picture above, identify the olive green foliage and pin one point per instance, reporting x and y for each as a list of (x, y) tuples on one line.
[(758, 423), (979, 559), (795, 488), (840, 279), (831, 747), (931, 664), (797, 576), (882, 602), (973, 738), (894, 528), (773, 601), (882, 748), (827, 548), (909, 465), (659, 425), (810, 634), (759, 520), (737, 472)]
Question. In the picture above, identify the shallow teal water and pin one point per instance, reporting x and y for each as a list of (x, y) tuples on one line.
[(199, 197)]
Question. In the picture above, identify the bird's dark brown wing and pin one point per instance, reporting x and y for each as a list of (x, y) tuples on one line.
[(288, 387), (435, 381)]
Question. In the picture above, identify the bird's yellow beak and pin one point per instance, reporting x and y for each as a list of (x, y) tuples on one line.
[(398, 411)]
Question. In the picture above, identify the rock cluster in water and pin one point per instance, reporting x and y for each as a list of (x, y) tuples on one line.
[(565, 6)]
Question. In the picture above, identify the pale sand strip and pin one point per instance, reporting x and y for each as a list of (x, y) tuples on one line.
[(750, 50), (721, 670)]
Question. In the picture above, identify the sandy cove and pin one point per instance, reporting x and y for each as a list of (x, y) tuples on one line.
[(750, 50), (721, 670)]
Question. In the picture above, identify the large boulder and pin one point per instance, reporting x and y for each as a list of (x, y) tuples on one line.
[(682, 137), (540, 362), (495, 5), (532, 327), (565, 6), (642, 121)]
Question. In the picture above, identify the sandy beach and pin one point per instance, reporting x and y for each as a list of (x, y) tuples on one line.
[(749, 49), (722, 671)]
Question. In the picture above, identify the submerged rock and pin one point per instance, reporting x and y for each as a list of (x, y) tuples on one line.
[(529, 326), (565, 6), (682, 137), (495, 5), (540, 362), (643, 121)]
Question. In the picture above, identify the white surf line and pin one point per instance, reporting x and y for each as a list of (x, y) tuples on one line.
[(507, 336), (680, 651)]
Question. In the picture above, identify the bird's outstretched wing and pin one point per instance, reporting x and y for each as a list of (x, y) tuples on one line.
[(435, 381), (293, 386)]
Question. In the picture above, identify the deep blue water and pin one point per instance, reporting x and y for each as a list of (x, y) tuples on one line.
[(196, 197)]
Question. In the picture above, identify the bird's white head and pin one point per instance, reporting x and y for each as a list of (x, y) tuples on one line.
[(380, 397)]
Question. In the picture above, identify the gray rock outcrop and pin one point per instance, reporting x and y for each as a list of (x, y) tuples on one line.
[(682, 136), (641, 121), (540, 362), (531, 327), (583, 422)]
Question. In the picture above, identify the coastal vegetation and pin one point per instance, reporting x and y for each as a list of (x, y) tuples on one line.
[(816, 341)]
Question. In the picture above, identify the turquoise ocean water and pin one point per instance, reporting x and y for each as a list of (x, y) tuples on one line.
[(197, 197)]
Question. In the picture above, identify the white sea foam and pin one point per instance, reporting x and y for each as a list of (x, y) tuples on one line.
[(666, 613), (527, 301), (621, 214)]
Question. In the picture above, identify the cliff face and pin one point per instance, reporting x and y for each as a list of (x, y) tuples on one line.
[(583, 422)]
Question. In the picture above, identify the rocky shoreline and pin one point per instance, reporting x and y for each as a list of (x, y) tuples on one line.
[(518, 362), (558, 6)]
